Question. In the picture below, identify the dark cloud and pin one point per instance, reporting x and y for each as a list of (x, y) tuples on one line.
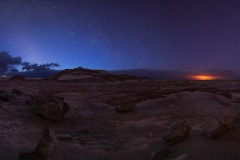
[(7, 61), (38, 67)]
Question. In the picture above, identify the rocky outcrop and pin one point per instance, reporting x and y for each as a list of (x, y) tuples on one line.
[(49, 106), (217, 125), (46, 149), (177, 133), (90, 75)]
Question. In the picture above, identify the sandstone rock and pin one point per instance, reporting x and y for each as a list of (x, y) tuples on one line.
[(218, 125), (49, 106), (228, 121), (46, 149), (214, 128), (126, 107), (161, 154), (177, 133)]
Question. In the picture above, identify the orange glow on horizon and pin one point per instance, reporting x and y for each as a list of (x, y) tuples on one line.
[(204, 77)]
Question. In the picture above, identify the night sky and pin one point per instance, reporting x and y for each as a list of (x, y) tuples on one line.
[(186, 35)]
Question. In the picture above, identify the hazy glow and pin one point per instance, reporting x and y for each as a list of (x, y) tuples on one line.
[(204, 77)]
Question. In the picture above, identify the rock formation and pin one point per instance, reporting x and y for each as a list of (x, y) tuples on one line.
[(49, 106), (46, 149), (177, 133), (89, 75), (217, 125)]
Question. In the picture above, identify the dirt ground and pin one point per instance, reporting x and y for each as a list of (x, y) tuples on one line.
[(100, 133)]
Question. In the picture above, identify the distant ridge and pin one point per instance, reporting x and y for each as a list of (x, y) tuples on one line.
[(91, 75), (153, 74)]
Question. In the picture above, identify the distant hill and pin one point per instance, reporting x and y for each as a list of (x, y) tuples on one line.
[(153, 74), (91, 75), (37, 74)]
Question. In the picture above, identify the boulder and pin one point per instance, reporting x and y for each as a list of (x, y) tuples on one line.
[(217, 125), (177, 133), (228, 121), (46, 149), (214, 128), (126, 107), (49, 106)]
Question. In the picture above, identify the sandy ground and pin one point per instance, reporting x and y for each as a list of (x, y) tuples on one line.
[(100, 133)]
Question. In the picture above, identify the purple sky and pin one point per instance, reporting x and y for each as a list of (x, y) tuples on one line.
[(186, 35)]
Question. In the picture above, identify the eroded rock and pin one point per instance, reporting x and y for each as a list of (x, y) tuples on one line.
[(177, 133), (49, 106), (218, 125), (46, 149)]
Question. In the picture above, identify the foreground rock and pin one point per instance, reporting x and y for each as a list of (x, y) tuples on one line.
[(49, 106), (177, 133), (46, 149), (218, 125), (126, 107)]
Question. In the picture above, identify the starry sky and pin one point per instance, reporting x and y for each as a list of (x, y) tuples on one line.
[(186, 35)]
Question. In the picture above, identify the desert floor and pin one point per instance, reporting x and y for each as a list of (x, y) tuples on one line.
[(100, 133)]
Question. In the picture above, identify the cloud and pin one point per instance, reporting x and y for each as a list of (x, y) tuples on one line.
[(38, 67), (11, 64), (8, 62)]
